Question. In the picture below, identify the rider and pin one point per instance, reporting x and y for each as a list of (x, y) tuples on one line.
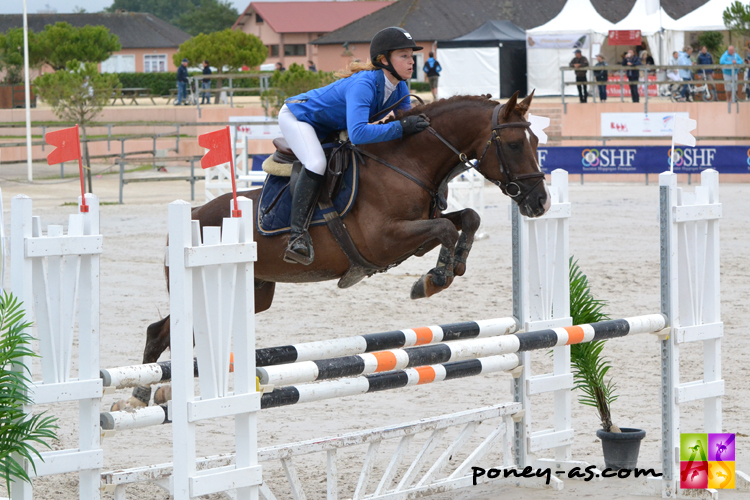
[(347, 104)]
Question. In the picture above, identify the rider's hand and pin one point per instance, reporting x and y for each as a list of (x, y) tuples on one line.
[(413, 124)]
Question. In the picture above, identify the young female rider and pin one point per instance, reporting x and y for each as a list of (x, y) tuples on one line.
[(347, 104)]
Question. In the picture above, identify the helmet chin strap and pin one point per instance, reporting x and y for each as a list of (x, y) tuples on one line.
[(389, 67)]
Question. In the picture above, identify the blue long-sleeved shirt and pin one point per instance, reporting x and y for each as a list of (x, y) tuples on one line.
[(349, 104), (182, 74), (727, 59), (684, 60)]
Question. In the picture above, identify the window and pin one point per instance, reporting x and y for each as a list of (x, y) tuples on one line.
[(154, 63), (295, 50), (258, 19), (273, 51)]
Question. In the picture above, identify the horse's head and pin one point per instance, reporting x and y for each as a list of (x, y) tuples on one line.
[(514, 166)]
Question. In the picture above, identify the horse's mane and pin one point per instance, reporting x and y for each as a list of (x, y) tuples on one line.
[(446, 105)]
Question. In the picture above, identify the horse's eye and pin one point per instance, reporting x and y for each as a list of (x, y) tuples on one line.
[(514, 145)]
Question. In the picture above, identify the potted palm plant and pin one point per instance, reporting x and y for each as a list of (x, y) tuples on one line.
[(19, 433), (590, 368)]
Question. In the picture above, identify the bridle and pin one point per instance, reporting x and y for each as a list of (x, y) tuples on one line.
[(517, 187)]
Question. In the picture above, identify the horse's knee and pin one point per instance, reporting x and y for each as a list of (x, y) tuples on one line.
[(470, 221)]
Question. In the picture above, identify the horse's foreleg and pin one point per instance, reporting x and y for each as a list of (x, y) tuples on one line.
[(422, 233), (467, 221)]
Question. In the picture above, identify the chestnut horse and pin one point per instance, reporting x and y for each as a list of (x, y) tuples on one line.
[(390, 220)]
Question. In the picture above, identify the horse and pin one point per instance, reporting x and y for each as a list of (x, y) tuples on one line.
[(390, 220)]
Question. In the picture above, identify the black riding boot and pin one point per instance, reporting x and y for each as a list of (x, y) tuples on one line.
[(300, 249)]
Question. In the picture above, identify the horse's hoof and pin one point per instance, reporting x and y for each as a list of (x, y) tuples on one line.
[(118, 405), (459, 269), (163, 394), (438, 278), (418, 291), (134, 402)]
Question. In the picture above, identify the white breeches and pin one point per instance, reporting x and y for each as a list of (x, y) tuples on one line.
[(303, 140)]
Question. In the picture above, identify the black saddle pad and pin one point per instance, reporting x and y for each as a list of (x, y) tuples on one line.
[(275, 204)]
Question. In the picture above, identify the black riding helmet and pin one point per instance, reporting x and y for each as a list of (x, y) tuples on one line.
[(387, 40)]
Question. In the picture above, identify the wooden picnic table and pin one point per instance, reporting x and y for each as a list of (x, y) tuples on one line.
[(133, 94)]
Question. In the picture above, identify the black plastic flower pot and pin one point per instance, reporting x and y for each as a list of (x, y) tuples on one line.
[(621, 448)]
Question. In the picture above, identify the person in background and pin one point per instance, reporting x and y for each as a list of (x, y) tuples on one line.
[(280, 67), (182, 81), (631, 61), (206, 84), (579, 61), (730, 57), (685, 73), (432, 69), (704, 57), (601, 75), (311, 67)]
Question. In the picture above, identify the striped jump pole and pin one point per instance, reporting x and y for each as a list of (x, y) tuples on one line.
[(508, 345), (396, 359), (324, 349), (153, 373), (305, 393)]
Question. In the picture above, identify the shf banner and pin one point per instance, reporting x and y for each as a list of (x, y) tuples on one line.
[(645, 159)]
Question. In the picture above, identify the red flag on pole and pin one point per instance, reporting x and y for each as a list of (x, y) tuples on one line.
[(66, 143), (67, 148), (219, 145)]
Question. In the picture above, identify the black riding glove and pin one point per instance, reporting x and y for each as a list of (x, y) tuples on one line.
[(413, 124)]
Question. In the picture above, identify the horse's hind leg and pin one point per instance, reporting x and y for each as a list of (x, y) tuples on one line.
[(157, 341), (451, 260)]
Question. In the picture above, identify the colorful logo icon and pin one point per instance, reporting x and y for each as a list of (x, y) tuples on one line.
[(675, 157), (707, 461), (590, 157), (748, 157)]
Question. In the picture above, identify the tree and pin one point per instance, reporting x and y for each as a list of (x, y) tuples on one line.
[(714, 42), (209, 17), (11, 54), (168, 10), (61, 43), (226, 50), (294, 81), (77, 95), (737, 18)]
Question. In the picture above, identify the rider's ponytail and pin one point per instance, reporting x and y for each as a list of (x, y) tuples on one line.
[(356, 67)]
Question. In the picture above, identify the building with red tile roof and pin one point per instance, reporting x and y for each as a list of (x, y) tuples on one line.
[(288, 28)]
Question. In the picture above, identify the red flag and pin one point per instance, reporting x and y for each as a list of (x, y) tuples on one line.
[(67, 148), (66, 143), (219, 147)]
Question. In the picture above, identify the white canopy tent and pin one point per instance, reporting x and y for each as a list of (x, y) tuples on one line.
[(663, 34), (551, 45), (707, 17)]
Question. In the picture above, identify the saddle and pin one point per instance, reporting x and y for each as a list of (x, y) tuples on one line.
[(339, 155), (338, 151)]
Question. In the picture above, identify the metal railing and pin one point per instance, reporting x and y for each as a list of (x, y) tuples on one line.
[(737, 71)]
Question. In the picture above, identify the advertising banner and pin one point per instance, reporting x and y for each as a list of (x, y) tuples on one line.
[(254, 127), (624, 37), (645, 159), (614, 90), (638, 124), (574, 41)]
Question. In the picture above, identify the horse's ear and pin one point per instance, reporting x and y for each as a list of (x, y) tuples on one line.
[(523, 106), (510, 105)]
